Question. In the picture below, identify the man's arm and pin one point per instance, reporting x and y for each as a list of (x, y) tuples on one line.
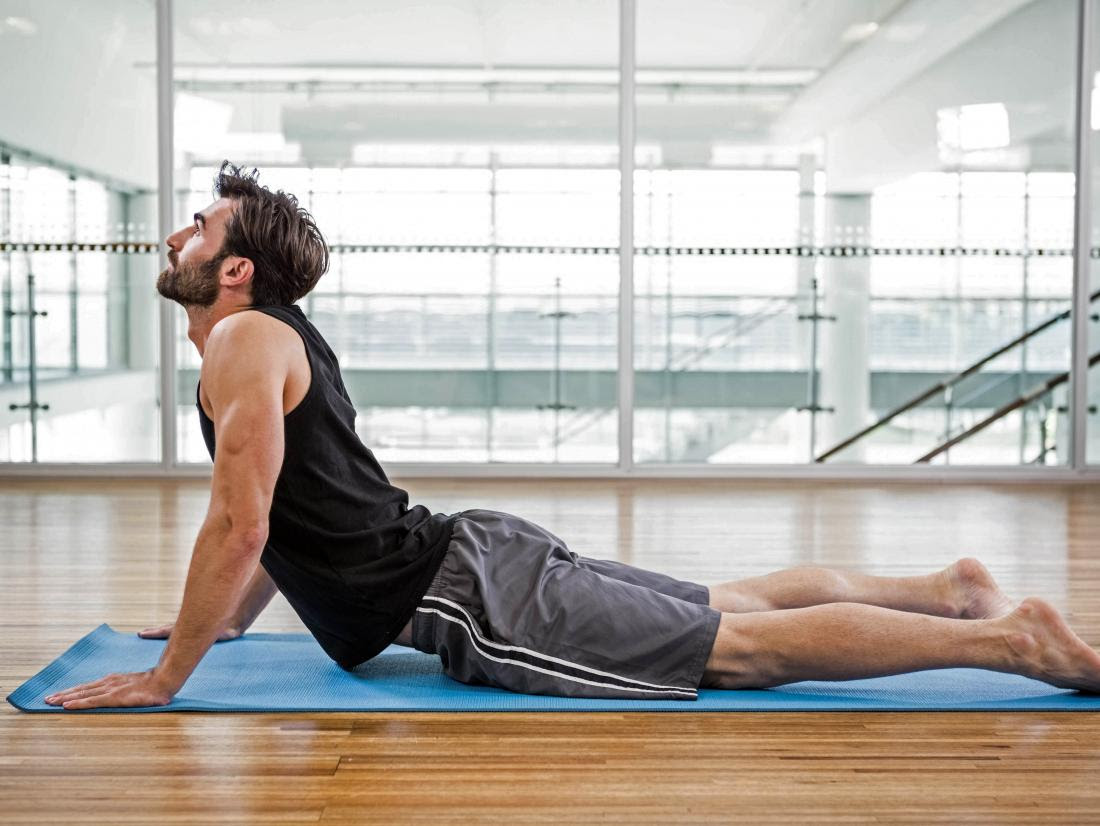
[(244, 377), (256, 597)]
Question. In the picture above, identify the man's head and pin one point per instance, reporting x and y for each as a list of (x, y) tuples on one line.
[(251, 241)]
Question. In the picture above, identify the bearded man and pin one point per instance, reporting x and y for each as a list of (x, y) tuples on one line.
[(299, 504)]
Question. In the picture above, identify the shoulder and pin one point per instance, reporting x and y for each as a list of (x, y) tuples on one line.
[(244, 323), (253, 330), (248, 340)]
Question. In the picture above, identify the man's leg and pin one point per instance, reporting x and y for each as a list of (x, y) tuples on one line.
[(964, 590), (845, 641)]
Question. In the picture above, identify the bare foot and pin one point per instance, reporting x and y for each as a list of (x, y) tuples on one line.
[(975, 593), (1047, 649)]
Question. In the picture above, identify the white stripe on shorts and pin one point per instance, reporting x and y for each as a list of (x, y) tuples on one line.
[(476, 638)]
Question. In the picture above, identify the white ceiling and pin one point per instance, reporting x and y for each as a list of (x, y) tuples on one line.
[(519, 71), (688, 33), (729, 72)]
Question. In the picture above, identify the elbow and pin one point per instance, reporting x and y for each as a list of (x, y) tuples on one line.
[(244, 529), (248, 536)]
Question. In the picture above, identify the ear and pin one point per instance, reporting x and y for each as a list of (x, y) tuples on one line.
[(237, 271)]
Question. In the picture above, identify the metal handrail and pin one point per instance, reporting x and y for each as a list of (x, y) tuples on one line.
[(739, 326), (1004, 410), (985, 388), (949, 382)]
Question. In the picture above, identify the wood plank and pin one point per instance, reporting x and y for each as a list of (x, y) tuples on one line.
[(75, 553)]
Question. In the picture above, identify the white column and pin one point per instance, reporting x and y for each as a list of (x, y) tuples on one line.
[(141, 277), (117, 280), (844, 362), (806, 444)]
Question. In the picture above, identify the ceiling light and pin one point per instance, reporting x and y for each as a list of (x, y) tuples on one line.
[(904, 32), (973, 127), (859, 31), (200, 123), (20, 25)]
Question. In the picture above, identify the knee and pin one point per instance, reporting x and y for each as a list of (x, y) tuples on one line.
[(823, 585), (738, 598), (734, 661)]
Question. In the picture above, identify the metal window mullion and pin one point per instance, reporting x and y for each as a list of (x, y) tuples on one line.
[(165, 219), (626, 234), (7, 360), (1078, 401), (74, 284)]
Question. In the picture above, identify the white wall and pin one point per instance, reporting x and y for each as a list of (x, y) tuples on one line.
[(1025, 61), (69, 90)]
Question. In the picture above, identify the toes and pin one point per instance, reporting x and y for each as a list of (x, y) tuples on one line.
[(1035, 610), (1041, 610)]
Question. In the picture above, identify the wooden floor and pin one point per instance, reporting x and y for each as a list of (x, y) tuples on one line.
[(74, 554)]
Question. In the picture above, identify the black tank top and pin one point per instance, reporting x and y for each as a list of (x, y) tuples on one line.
[(344, 548)]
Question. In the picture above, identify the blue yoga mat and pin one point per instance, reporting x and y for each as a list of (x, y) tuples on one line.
[(290, 672)]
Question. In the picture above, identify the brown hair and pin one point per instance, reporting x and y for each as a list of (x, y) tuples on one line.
[(288, 252)]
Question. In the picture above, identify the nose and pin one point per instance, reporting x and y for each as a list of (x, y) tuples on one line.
[(176, 239)]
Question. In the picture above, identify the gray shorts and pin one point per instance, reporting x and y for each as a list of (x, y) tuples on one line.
[(511, 606)]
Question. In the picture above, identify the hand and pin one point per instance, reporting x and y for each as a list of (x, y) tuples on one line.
[(142, 688), (164, 631)]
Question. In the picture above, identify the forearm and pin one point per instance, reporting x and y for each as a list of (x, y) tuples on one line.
[(257, 595), (221, 565)]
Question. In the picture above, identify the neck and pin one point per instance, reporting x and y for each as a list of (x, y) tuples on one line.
[(201, 320)]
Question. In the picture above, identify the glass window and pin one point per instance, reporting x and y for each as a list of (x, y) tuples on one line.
[(472, 211), (838, 210), (77, 178), (853, 225)]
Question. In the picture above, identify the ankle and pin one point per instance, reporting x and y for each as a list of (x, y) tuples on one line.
[(948, 593), (1013, 648)]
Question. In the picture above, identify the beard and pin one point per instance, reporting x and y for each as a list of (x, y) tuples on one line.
[(192, 284)]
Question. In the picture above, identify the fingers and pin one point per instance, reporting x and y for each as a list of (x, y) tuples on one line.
[(118, 696), (165, 631), (102, 698), (78, 691), (72, 694), (137, 689)]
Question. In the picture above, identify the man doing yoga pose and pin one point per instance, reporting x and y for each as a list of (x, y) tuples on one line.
[(298, 504)]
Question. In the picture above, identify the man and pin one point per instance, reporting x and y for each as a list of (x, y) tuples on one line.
[(299, 504)]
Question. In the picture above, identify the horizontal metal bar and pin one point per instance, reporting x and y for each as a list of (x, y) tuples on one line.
[(931, 474), (611, 299), (458, 388), (78, 246), (564, 249)]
